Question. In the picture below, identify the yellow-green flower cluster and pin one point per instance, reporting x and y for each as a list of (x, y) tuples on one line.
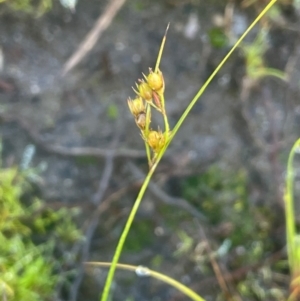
[(150, 94)]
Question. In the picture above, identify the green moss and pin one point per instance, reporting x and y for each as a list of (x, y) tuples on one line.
[(223, 197), (27, 267), (36, 7)]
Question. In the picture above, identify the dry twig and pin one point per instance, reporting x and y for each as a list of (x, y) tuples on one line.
[(89, 42), (70, 151)]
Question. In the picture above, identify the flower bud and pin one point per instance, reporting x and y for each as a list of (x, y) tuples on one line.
[(156, 140), (145, 91), (136, 106), (155, 80), (156, 100)]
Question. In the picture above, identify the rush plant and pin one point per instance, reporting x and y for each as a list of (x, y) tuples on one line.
[(150, 96)]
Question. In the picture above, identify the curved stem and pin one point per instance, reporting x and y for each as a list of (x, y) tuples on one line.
[(144, 271)]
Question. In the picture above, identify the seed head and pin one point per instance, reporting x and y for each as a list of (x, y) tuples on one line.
[(156, 140), (155, 80), (136, 106), (145, 91)]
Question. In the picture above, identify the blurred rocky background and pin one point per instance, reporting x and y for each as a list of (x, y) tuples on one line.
[(66, 71)]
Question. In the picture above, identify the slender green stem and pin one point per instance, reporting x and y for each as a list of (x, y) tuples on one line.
[(155, 107), (165, 116), (289, 208), (148, 120), (161, 50), (167, 127), (160, 155), (148, 152), (125, 232)]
